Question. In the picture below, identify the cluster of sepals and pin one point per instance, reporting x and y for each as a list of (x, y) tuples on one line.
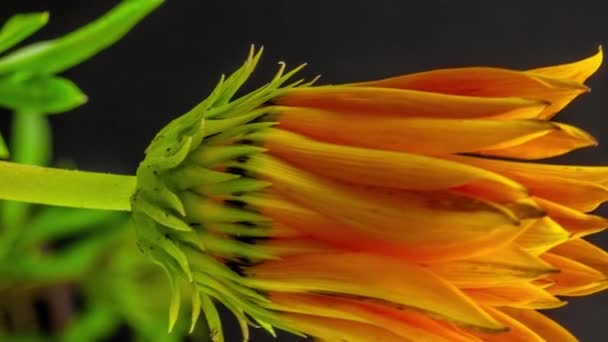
[(175, 175)]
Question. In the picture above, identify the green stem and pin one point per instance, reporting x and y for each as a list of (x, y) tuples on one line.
[(79, 189)]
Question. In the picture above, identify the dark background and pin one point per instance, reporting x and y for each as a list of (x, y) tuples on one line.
[(174, 57)]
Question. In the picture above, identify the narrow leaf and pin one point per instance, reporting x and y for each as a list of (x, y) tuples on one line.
[(19, 27), (42, 94), (57, 55)]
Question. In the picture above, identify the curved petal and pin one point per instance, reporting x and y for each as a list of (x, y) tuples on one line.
[(506, 265), (585, 253), (518, 295), (577, 194), (576, 222), (574, 278), (367, 239), (556, 142), (427, 224), (407, 134), (372, 276), (385, 101), (541, 236), (489, 82), (401, 322), (544, 327), (593, 174), (577, 71), (331, 329), (518, 332), (385, 168)]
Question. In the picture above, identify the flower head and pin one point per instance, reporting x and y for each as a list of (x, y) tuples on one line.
[(381, 210)]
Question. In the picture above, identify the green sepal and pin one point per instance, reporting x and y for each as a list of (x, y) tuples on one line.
[(202, 210), (213, 155), (158, 245), (232, 249), (213, 318), (214, 126), (19, 27), (163, 216), (43, 94), (236, 186), (188, 176), (196, 309)]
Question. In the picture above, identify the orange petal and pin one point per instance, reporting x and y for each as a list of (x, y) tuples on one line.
[(372, 276), (489, 82), (423, 222), (577, 223), (578, 71), (406, 134), (518, 295), (385, 101), (404, 323), (574, 278), (593, 174), (584, 252), (505, 265), (384, 168), (518, 332), (365, 239), (541, 236), (333, 330), (577, 194), (540, 324), (557, 142)]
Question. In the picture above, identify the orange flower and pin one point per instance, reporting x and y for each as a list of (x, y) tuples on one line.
[(379, 210)]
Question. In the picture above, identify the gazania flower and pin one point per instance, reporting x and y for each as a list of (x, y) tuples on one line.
[(390, 210)]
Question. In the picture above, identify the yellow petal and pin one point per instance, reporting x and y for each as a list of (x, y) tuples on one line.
[(577, 194), (517, 295), (578, 71), (407, 134), (556, 142), (399, 102), (593, 174), (404, 323), (429, 225), (337, 330), (540, 324), (584, 252), (506, 265), (372, 276), (385, 168), (577, 223), (574, 278), (542, 235), (518, 332)]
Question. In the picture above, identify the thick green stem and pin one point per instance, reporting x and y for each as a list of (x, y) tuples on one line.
[(67, 188)]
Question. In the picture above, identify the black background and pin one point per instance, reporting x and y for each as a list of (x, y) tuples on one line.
[(174, 57)]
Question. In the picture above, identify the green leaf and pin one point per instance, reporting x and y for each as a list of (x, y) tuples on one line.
[(19, 27), (50, 57), (40, 94), (3, 149)]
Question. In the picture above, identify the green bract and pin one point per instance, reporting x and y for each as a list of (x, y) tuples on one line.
[(171, 208)]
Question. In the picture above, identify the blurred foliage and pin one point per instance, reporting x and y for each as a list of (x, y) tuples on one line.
[(68, 274)]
